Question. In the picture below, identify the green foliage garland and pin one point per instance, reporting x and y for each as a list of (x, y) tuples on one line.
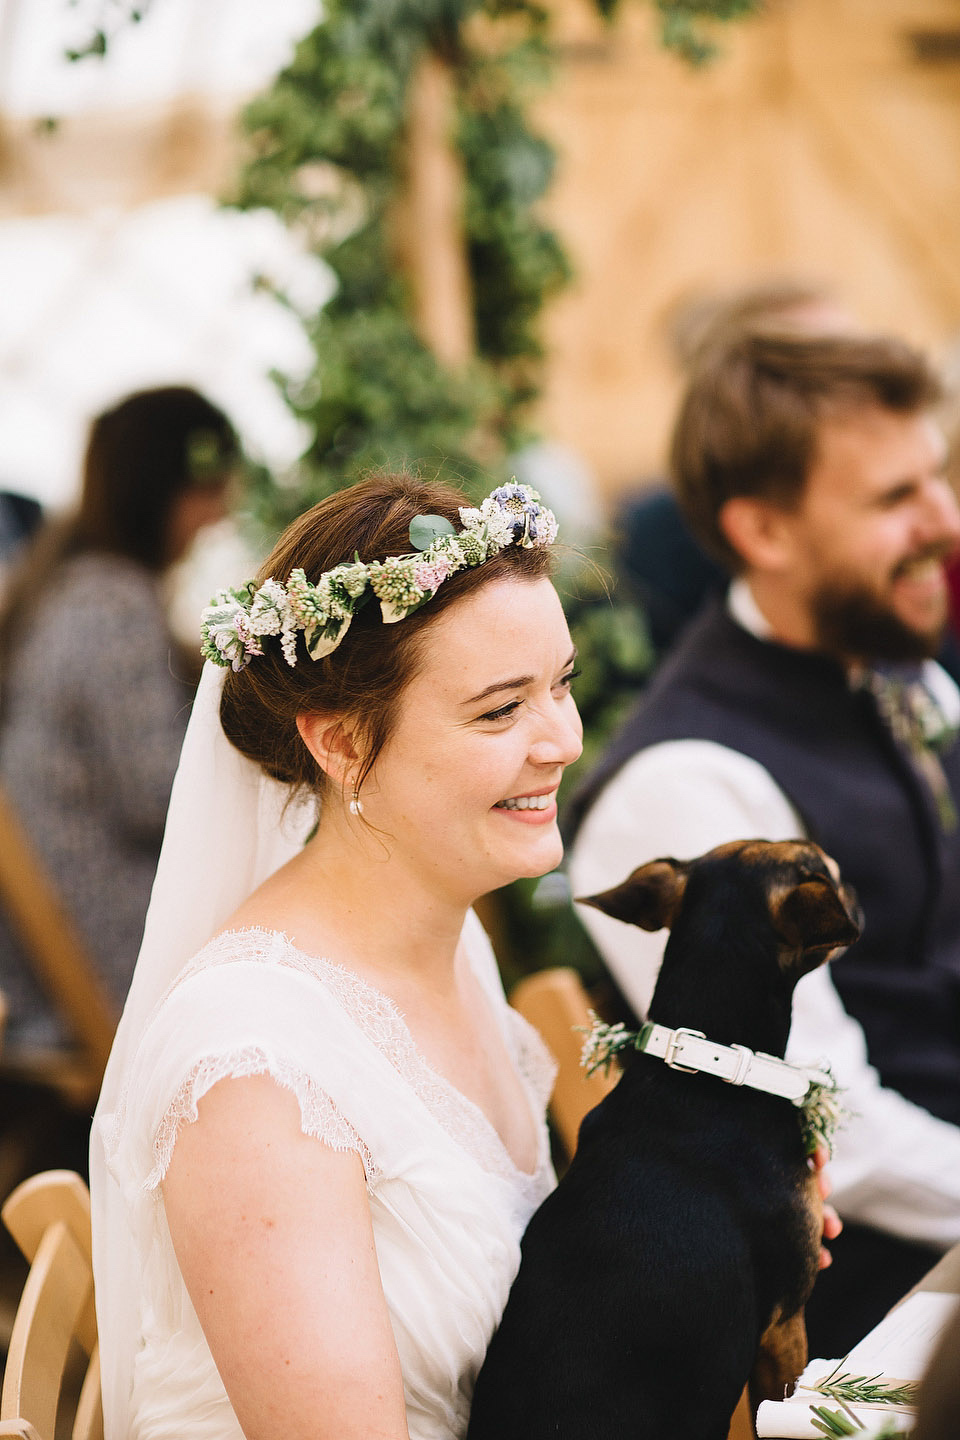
[(326, 153)]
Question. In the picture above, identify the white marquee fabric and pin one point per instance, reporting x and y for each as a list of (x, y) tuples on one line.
[(96, 301)]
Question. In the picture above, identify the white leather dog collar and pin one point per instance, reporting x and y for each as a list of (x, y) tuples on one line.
[(691, 1051)]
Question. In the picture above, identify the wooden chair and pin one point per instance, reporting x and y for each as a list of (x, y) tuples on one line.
[(557, 1005), (62, 966), (49, 1218)]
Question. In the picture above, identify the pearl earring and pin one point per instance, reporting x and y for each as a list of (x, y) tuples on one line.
[(356, 804)]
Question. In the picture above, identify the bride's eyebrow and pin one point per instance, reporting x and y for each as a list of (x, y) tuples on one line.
[(516, 683)]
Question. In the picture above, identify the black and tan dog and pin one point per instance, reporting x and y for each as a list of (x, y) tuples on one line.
[(674, 1259)]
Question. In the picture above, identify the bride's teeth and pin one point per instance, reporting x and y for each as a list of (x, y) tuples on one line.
[(526, 802)]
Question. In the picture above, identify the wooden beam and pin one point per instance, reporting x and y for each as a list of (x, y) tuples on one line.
[(430, 218)]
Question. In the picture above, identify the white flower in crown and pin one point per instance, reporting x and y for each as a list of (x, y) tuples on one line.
[(268, 610), (448, 549), (500, 526), (225, 630)]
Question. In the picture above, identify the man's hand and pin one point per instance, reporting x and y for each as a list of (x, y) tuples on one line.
[(832, 1224)]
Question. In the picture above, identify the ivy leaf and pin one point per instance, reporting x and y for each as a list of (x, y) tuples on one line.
[(424, 529)]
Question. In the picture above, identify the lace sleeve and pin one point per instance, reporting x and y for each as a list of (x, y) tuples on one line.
[(319, 1116)]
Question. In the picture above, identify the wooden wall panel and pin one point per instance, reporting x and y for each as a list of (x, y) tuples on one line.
[(817, 144)]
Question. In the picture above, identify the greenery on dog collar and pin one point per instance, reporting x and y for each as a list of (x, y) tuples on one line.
[(820, 1111), (821, 1114), (605, 1042)]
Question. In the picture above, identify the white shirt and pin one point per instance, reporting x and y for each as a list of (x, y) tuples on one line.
[(896, 1166)]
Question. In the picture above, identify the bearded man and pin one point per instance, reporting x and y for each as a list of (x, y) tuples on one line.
[(808, 704)]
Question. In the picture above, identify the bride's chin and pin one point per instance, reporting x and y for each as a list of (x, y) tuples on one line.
[(543, 858)]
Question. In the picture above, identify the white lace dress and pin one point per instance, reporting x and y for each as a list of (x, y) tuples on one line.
[(448, 1204)]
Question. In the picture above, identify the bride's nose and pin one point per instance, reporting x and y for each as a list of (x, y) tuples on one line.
[(560, 738)]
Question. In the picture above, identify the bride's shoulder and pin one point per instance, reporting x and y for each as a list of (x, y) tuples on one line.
[(254, 965), (240, 943), (240, 946), (237, 964)]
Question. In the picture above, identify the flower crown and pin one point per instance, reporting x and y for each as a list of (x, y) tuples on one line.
[(233, 626)]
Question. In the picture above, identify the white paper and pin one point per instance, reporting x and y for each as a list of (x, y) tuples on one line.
[(901, 1345), (898, 1348)]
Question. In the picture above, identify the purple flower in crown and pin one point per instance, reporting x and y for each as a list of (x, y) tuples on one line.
[(529, 522), (429, 575)]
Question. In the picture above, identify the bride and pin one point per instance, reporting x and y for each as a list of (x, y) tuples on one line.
[(320, 1138)]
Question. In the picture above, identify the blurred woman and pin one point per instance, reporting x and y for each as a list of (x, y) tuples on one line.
[(93, 706)]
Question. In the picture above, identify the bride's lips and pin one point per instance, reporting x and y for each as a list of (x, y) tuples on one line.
[(535, 808)]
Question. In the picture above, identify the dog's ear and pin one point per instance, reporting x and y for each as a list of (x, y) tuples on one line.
[(650, 897), (812, 916)]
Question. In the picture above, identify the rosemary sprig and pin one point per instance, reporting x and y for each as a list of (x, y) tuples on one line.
[(864, 1389)]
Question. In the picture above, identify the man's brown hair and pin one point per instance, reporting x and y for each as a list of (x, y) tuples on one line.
[(747, 424)]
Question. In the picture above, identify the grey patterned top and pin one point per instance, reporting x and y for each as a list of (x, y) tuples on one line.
[(93, 720)]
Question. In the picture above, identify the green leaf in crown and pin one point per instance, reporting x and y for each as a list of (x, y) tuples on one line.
[(424, 529)]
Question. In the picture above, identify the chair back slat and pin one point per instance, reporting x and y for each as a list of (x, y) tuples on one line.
[(88, 1421), (49, 1217), (557, 1005), (56, 1293), (34, 1206)]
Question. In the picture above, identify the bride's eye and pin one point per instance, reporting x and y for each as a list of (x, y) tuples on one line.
[(502, 712)]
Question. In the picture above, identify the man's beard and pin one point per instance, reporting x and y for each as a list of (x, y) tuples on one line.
[(851, 622)]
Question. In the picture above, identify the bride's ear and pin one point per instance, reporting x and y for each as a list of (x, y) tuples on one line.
[(331, 743)]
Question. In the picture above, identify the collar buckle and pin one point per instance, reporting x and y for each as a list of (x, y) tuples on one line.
[(670, 1054)]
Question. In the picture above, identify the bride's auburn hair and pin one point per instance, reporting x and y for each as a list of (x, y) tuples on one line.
[(362, 681)]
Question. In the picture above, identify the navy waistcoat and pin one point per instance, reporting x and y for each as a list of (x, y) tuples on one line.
[(861, 798)]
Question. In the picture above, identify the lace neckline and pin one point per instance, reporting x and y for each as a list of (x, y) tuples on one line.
[(381, 1021)]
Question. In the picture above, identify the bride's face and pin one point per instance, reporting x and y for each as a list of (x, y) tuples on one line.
[(465, 788)]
